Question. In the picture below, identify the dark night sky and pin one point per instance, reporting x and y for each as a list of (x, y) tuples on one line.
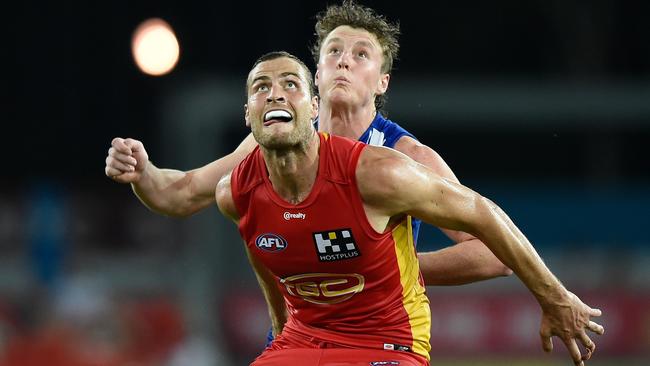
[(71, 83)]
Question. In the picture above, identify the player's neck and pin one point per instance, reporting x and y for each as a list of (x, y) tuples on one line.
[(292, 172), (347, 121)]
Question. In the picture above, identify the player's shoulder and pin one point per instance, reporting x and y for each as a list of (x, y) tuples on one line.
[(246, 175), (426, 156), (336, 141), (341, 153), (223, 188), (412, 147), (382, 173), (418, 151), (224, 198), (380, 161)]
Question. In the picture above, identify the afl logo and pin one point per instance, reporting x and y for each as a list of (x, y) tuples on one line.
[(271, 242)]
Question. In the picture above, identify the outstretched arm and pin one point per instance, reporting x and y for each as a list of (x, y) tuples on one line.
[(465, 262), (392, 185), (469, 260), (267, 281), (274, 300), (168, 191)]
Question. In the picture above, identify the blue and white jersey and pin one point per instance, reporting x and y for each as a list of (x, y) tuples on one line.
[(384, 132)]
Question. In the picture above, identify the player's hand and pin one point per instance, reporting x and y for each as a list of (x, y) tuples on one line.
[(126, 160), (570, 320)]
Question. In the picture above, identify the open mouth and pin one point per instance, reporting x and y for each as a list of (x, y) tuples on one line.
[(276, 116)]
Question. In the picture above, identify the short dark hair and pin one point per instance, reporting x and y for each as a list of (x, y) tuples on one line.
[(280, 54), (358, 16)]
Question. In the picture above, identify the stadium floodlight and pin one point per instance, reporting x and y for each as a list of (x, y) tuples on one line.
[(155, 47)]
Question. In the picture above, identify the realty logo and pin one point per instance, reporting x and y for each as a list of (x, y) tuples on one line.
[(288, 216)]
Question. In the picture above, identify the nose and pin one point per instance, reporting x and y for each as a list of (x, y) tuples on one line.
[(343, 61), (275, 95)]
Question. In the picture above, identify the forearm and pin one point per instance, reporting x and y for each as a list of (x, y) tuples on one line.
[(167, 191), (274, 299), (563, 314), (465, 262), (177, 193), (277, 309), (274, 302), (507, 242)]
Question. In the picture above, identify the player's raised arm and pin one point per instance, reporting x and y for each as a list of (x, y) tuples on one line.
[(469, 260), (393, 185), (168, 191)]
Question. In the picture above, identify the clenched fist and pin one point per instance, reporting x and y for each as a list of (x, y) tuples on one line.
[(126, 160)]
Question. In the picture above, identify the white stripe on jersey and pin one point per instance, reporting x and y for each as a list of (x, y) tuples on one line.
[(376, 138)]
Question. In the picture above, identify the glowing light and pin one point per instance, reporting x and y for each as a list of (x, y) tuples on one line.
[(155, 47)]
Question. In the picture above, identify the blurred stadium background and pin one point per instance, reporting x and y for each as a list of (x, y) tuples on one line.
[(543, 106)]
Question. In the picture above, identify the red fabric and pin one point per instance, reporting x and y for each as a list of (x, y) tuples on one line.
[(337, 357), (321, 294)]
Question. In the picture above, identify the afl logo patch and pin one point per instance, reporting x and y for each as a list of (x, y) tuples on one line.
[(271, 242)]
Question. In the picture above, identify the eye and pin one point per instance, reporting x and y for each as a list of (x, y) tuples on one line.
[(262, 88), (362, 54), (333, 51), (291, 84)]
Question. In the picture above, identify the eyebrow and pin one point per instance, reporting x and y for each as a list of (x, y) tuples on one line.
[(332, 40), (266, 78), (362, 43), (289, 73)]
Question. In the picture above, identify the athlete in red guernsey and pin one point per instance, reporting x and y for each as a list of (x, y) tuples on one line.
[(345, 284), (327, 230)]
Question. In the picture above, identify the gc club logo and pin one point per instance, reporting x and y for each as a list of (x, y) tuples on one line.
[(324, 288), (270, 242)]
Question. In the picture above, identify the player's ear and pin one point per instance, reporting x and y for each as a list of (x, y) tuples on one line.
[(382, 85), (247, 116), (316, 76), (314, 107)]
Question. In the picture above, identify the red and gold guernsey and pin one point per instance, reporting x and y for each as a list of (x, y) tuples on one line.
[(342, 281)]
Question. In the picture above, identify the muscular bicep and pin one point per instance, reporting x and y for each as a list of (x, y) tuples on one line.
[(428, 157), (392, 184), (441, 202), (224, 199), (204, 179)]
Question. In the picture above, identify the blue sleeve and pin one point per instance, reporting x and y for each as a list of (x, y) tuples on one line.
[(393, 133), (269, 337)]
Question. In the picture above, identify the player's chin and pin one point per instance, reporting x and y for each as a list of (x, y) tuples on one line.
[(279, 139), (340, 96), (279, 130)]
